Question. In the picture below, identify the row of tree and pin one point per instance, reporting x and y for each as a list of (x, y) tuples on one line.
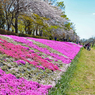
[(90, 40), (36, 17)]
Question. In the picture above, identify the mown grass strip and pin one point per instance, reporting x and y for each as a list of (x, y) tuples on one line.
[(83, 82), (63, 83)]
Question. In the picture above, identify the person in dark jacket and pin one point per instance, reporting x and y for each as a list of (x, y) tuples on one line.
[(55, 38), (92, 44), (85, 46), (88, 46)]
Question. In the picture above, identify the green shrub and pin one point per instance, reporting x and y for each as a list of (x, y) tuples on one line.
[(5, 32), (4, 68), (24, 35), (8, 72), (13, 72), (41, 37), (48, 71), (18, 76), (2, 31), (50, 37)]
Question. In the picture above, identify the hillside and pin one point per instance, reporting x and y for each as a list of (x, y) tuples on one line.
[(83, 80), (40, 62)]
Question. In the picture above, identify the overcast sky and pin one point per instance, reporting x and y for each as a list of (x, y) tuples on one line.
[(82, 14)]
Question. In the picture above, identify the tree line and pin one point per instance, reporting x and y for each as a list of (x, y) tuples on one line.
[(21, 16)]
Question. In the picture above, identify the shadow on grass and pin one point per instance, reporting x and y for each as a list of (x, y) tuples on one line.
[(63, 84)]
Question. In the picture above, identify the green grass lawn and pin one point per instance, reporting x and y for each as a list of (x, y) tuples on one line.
[(80, 76)]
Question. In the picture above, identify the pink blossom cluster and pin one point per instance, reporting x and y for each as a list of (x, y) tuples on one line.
[(44, 50), (23, 53), (66, 48), (10, 85), (20, 61)]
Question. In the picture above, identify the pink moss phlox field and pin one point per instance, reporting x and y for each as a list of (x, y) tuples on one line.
[(22, 53), (10, 85), (44, 50), (66, 48)]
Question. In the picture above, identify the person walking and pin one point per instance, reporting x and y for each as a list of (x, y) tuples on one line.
[(55, 38), (85, 46), (88, 46), (92, 44)]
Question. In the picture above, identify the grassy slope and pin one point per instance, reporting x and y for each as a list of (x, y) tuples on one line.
[(83, 82), (80, 77), (63, 84)]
